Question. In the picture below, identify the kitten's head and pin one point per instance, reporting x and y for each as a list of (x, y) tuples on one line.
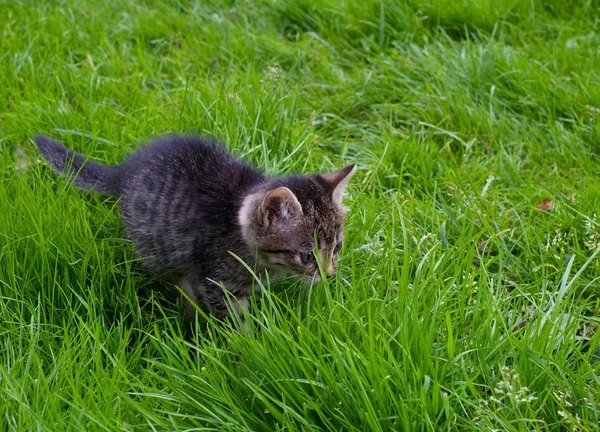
[(283, 220)]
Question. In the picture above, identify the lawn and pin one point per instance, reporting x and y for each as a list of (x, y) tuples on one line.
[(468, 293)]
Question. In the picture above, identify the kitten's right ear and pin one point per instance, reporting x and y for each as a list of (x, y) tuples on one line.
[(278, 204)]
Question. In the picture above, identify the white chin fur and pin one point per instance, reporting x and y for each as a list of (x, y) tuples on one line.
[(246, 217), (315, 278)]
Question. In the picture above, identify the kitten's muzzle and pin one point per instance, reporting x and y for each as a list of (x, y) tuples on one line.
[(330, 269)]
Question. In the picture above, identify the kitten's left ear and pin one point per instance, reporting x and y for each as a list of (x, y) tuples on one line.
[(337, 181)]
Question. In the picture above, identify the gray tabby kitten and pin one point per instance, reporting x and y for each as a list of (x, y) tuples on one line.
[(186, 204)]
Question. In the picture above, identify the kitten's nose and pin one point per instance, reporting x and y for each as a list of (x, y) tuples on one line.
[(329, 271)]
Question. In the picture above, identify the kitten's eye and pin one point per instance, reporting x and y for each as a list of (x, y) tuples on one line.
[(307, 257), (338, 248)]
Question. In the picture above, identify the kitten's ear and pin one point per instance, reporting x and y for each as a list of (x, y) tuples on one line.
[(337, 181), (279, 204)]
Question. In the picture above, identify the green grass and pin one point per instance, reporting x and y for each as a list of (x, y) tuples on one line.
[(462, 302)]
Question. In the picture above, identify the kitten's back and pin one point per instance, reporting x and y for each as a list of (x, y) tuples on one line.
[(203, 165)]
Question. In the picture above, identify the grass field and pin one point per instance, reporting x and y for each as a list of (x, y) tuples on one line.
[(467, 297)]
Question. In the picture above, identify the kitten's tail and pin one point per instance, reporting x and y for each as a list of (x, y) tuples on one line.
[(89, 175)]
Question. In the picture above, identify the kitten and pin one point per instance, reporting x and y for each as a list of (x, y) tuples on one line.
[(186, 204)]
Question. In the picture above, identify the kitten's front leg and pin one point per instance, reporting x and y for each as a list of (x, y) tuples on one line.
[(213, 297), (189, 300), (242, 306), (218, 301)]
